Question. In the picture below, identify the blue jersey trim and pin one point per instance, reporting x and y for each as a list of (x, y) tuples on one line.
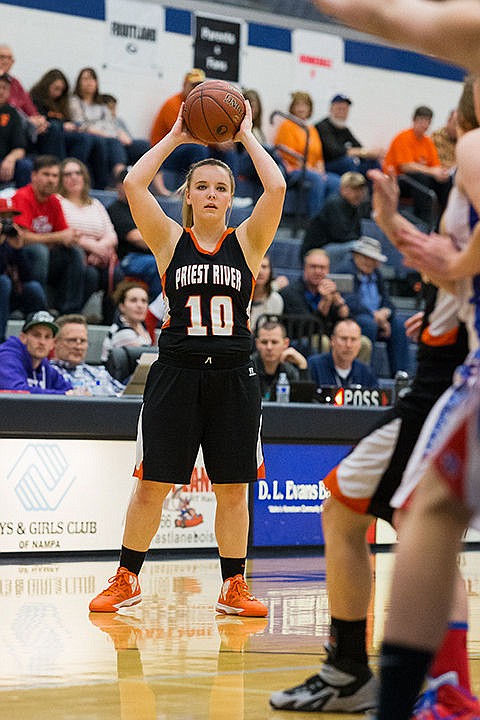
[(387, 58)]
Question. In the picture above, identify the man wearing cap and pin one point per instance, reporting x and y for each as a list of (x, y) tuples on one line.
[(17, 290), (24, 366), (15, 168), (342, 151), (370, 304), (339, 220)]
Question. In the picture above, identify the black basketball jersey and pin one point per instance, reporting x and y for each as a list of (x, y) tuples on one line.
[(207, 297)]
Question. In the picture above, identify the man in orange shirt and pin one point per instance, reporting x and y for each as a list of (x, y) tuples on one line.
[(413, 153)]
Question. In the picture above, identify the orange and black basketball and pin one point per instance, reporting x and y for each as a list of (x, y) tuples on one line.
[(214, 111)]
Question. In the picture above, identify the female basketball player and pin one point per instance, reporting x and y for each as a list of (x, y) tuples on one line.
[(203, 389)]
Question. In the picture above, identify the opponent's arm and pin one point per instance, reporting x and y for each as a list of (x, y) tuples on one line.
[(448, 29)]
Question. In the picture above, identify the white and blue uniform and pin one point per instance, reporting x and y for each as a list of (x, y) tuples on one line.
[(450, 439)]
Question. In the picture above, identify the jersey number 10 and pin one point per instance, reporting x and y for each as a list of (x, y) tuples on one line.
[(221, 316)]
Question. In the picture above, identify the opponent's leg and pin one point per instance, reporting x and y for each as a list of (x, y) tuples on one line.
[(345, 683)]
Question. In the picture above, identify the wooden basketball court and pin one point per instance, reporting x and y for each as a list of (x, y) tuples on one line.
[(171, 657)]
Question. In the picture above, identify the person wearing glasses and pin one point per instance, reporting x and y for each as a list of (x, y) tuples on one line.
[(70, 350), (96, 236)]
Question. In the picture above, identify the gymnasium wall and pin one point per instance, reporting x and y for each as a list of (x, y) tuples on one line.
[(275, 58)]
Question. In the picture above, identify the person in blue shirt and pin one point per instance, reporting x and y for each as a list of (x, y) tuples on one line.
[(24, 366), (339, 367), (370, 303)]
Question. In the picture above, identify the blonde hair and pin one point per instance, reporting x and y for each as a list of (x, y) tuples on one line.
[(187, 211), (300, 97)]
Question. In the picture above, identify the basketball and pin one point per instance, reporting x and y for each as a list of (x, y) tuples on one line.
[(214, 111)]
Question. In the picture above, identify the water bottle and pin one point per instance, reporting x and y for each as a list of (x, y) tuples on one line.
[(282, 389), (402, 384)]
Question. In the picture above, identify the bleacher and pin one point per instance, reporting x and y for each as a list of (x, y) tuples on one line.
[(285, 257)]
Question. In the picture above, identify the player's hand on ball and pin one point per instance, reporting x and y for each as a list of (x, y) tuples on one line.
[(180, 131), (246, 126)]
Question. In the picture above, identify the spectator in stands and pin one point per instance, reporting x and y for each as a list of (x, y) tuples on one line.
[(339, 221), (96, 235), (315, 293), (51, 95), (342, 152), (136, 259), (412, 153), (17, 290), (183, 156), (135, 147), (257, 113), (370, 303), (445, 140), (55, 259), (70, 351), (129, 329), (340, 366), (15, 168), (92, 116), (265, 300), (275, 355), (291, 141), (41, 139), (23, 360), (246, 169)]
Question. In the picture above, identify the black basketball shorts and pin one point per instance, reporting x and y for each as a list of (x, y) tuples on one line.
[(185, 407)]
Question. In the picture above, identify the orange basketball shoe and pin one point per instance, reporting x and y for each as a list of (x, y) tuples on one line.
[(236, 599), (123, 591)]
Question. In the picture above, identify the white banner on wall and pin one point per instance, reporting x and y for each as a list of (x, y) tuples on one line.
[(133, 34), (318, 67), (71, 495)]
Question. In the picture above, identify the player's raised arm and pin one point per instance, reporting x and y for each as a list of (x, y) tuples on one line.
[(257, 232), (448, 29), (158, 230)]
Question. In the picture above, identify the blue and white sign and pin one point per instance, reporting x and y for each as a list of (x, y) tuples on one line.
[(287, 505)]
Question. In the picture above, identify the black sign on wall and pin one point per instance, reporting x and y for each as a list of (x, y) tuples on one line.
[(217, 48)]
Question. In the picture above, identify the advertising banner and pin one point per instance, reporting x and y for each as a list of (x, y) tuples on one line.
[(287, 505), (133, 31), (318, 66), (72, 495), (217, 48)]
